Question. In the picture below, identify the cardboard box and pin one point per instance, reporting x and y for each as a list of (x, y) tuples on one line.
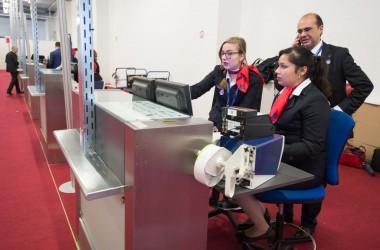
[(367, 133), (368, 148), (368, 113)]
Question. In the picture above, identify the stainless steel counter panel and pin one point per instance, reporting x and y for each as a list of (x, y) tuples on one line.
[(114, 109), (24, 79), (32, 101), (75, 107), (52, 113), (109, 141), (166, 207), (96, 180), (148, 152)]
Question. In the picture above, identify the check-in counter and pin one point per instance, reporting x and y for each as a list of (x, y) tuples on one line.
[(52, 113), (137, 189), (23, 81), (31, 94)]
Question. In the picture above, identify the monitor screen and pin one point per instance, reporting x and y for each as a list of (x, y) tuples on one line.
[(144, 87), (174, 95)]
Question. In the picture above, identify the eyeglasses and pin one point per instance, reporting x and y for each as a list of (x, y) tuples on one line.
[(306, 30), (228, 54)]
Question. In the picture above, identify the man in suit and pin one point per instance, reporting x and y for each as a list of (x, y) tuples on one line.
[(55, 57), (12, 65), (342, 69)]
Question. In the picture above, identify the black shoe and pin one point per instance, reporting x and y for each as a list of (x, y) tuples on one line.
[(244, 238), (305, 232), (20, 92), (228, 205), (9, 93), (288, 219), (247, 224)]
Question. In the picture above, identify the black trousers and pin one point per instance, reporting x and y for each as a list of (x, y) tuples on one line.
[(309, 211), (14, 82)]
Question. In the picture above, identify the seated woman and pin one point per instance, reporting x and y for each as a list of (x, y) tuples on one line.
[(236, 83), (97, 76), (301, 113)]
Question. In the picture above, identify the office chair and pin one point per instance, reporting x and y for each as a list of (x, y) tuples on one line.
[(340, 127)]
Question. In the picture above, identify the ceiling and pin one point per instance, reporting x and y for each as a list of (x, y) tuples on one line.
[(44, 7)]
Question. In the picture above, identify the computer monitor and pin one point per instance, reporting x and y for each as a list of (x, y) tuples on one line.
[(174, 95), (144, 87), (41, 59)]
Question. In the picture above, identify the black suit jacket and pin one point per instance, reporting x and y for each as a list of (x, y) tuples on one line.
[(304, 123), (12, 62), (250, 99), (342, 69)]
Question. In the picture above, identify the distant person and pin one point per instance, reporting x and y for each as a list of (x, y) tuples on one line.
[(12, 65), (55, 57), (97, 76), (236, 83), (342, 68), (74, 64)]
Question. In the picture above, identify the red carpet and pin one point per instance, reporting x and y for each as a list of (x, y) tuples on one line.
[(31, 214), (34, 215)]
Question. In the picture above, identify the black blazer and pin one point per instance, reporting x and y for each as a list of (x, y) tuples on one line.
[(342, 69), (12, 62), (250, 99), (304, 123)]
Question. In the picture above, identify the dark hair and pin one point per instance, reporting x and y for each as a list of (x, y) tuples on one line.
[(317, 68), (318, 19), (57, 44)]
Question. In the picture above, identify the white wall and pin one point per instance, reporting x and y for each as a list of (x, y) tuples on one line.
[(351, 24), (159, 35), (5, 29), (164, 34)]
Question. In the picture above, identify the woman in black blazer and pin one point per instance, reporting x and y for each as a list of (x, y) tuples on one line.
[(301, 113), (236, 83)]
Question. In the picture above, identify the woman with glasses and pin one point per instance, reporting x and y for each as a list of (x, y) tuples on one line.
[(236, 83)]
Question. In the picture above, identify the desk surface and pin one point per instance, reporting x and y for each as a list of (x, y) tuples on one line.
[(286, 176)]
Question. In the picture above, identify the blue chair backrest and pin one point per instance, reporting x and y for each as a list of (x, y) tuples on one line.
[(340, 128)]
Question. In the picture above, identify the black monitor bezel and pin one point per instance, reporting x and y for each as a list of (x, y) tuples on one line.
[(148, 84), (184, 89)]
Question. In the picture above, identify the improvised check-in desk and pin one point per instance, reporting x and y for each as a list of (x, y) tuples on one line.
[(137, 191), (31, 95), (52, 112), (286, 176)]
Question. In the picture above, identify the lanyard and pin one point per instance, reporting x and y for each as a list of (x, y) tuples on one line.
[(228, 94), (318, 51)]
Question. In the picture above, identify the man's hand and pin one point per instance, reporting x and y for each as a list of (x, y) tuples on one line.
[(296, 42)]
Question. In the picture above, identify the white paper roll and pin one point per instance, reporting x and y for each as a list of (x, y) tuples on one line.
[(209, 166)]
